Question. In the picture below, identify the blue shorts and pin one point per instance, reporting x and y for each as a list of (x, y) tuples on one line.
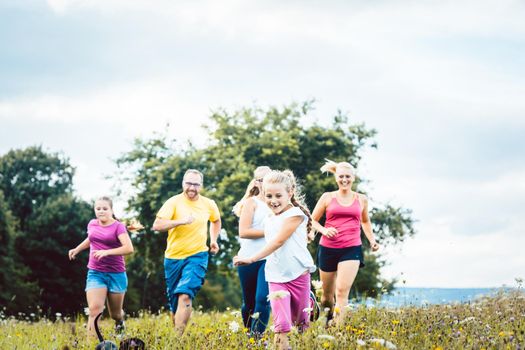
[(184, 276), (114, 282), (328, 258)]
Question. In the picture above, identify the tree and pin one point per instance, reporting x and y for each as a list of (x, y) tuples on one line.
[(16, 291), (29, 177), (282, 138), (52, 229)]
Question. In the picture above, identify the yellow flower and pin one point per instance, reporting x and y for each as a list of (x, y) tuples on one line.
[(395, 322), (326, 345), (252, 341), (393, 333), (438, 348), (337, 310)]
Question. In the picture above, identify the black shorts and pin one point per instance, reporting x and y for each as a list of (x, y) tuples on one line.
[(328, 258)]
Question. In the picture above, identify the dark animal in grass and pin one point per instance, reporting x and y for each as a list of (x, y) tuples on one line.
[(132, 344), (104, 344)]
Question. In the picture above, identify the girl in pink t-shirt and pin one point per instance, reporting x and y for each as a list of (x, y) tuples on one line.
[(108, 241), (340, 253)]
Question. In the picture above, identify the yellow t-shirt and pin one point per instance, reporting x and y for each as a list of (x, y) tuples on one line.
[(187, 240)]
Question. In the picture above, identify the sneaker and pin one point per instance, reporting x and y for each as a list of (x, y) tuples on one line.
[(120, 327)]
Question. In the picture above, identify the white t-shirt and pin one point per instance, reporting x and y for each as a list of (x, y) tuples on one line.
[(292, 259), (250, 246)]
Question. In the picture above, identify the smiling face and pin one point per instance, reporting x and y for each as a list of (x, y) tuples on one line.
[(192, 185), (277, 197), (103, 211), (344, 177)]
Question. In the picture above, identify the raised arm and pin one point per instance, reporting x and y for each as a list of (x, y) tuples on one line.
[(366, 224), (245, 221), (164, 225), (317, 214), (125, 248), (289, 226)]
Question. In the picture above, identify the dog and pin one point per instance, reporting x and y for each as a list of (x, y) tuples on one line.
[(104, 344), (126, 344)]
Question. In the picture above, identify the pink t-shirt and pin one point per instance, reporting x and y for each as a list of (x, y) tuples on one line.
[(102, 238), (347, 221)]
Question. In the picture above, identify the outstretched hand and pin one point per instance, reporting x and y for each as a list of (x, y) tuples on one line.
[(238, 261), (72, 254)]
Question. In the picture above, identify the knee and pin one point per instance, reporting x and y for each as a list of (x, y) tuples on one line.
[(116, 315), (184, 299), (95, 309), (342, 291)]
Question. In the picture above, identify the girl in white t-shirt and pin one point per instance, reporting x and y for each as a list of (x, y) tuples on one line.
[(289, 263)]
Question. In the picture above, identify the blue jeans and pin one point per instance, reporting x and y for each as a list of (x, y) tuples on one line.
[(254, 296)]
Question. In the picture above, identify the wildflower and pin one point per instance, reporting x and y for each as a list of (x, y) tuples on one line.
[(394, 322), (360, 342), (326, 309), (383, 342), (86, 311), (317, 284), (279, 294), (234, 326), (307, 309), (255, 315), (235, 313), (468, 319), (326, 345), (252, 341), (228, 308), (326, 336), (337, 310), (58, 315)]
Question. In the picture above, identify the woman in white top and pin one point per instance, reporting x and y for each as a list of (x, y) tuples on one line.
[(252, 212), (289, 262)]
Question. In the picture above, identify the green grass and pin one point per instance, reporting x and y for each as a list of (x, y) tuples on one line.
[(490, 323)]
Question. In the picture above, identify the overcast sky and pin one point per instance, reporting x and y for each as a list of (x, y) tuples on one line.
[(441, 81)]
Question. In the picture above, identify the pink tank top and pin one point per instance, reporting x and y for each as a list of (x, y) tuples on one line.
[(347, 221)]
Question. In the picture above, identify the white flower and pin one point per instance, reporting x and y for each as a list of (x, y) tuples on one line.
[(234, 326), (384, 343), (58, 315), (32, 314), (317, 284), (308, 309), (235, 313), (228, 308), (86, 311), (255, 315), (326, 309), (360, 342), (468, 319), (279, 294), (326, 336)]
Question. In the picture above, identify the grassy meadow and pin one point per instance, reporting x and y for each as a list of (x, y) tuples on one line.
[(496, 322)]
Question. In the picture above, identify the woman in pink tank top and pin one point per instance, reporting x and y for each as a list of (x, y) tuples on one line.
[(340, 254)]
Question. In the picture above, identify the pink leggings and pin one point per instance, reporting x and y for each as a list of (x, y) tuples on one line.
[(290, 310)]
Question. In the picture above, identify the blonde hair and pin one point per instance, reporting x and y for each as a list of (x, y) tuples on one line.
[(331, 167), (287, 178), (251, 190)]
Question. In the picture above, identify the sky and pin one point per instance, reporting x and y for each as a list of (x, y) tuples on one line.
[(442, 82)]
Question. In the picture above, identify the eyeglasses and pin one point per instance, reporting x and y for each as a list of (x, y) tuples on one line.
[(194, 184)]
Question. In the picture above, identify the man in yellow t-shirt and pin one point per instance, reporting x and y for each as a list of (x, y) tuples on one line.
[(185, 217)]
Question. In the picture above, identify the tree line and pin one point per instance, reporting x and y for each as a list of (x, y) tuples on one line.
[(41, 217)]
